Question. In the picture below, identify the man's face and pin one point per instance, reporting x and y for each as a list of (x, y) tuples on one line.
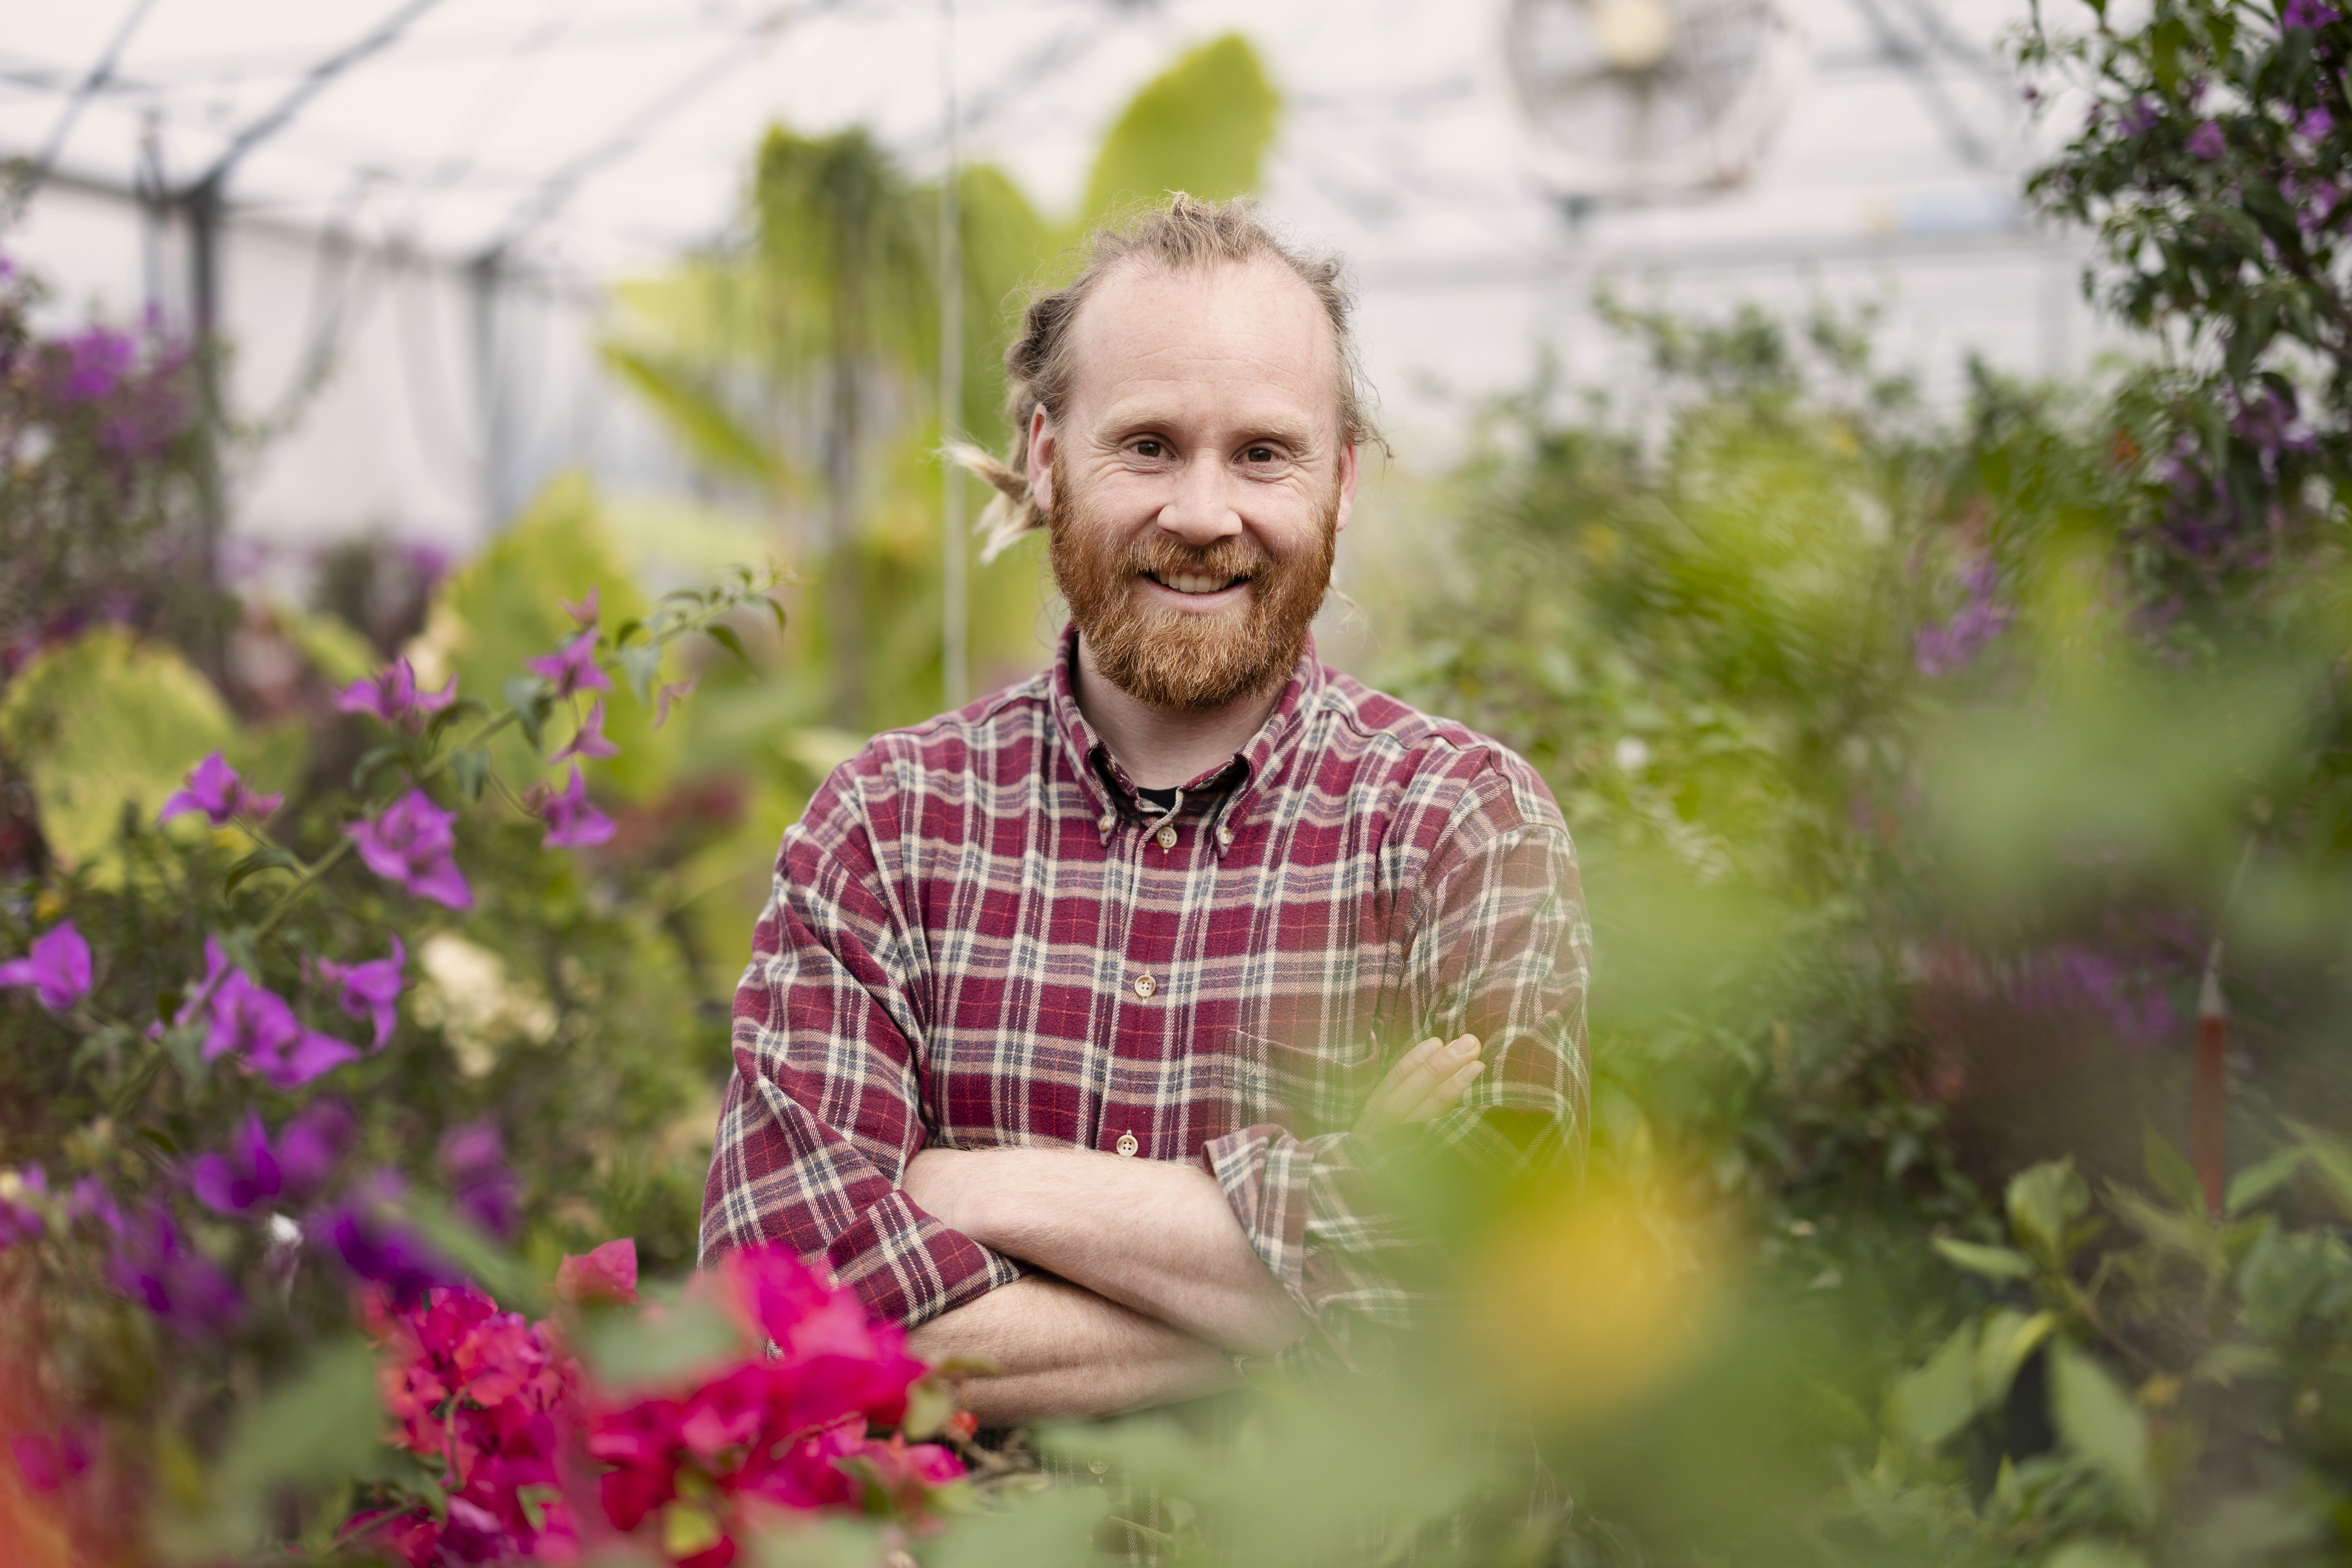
[(1196, 483)]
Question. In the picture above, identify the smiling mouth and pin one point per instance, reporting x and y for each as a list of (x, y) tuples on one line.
[(1194, 581)]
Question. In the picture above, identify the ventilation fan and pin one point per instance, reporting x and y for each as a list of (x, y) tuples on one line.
[(1635, 98)]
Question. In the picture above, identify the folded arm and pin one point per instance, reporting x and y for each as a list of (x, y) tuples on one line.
[(1068, 1352)]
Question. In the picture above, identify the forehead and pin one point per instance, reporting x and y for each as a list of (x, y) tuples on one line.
[(1247, 338)]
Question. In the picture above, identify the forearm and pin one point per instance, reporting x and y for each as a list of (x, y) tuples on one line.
[(1066, 1352), (1152, 1235)]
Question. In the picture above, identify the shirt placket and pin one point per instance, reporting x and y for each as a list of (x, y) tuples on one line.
[(1151, 989)]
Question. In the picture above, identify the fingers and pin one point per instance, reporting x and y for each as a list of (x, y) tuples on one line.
[(1405, 1085), (1448, 1092)]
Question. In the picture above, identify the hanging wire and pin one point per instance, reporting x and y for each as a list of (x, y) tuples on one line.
[(954, 596)]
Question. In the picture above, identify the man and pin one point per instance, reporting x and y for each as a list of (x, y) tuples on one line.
[(1061, 1024)]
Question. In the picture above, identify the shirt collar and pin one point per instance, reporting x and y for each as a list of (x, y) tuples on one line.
[(1111, 793)]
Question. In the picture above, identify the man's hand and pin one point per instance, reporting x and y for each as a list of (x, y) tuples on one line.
[(1066, 1352), (1426, 1082)]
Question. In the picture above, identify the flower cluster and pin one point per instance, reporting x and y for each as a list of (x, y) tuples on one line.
[(1938, 650), (788, 1430), (248, 1020), (214, 788), (514, 1429)]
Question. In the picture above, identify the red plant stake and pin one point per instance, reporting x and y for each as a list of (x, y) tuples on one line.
[(2208, 1092)]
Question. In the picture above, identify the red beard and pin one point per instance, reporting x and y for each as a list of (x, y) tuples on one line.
[(1186, 663)]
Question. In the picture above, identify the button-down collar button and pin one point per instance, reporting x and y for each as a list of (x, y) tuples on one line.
[(1106, 820), (1127, 1145), (1167, 838), (1224, 834), (1145, 985)]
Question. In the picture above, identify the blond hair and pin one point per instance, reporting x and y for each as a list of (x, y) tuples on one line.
[(1186, 234)]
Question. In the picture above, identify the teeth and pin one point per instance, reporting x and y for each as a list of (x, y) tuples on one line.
[(1194, 583)]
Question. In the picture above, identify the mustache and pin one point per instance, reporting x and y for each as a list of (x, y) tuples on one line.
[(1161, 557)]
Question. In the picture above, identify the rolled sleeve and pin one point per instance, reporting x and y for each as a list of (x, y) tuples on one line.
[(824, 1109)]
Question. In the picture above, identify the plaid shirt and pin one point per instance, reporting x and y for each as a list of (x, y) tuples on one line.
[(981, 934)]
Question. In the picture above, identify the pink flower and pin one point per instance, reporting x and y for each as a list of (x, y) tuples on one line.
[(589, 740), (56, 968), (586, 611), (214, 788), (572, 822), (371, 990), (676, 691), (572, 667), (411, 843), (392, 696), (605, 1277), (2207, 141)]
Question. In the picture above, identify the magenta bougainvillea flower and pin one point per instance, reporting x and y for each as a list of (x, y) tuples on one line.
[(390, 694), (251, 1022), (214, 788), (2207, 141), (309, 1146), (606, 1275), (242, 1177), (571, 821), (56, 968), (572, 667), (411, 843), (588, 741), (371, 990), (155, 1266), (589, 608)]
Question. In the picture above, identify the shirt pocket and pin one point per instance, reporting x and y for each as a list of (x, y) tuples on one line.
[(1314, 1090)]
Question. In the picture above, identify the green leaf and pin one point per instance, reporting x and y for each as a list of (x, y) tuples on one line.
[(491, 1267), (469, 770), (2096, 1555), (929, 1402), (269, 857), (371, 759), (724, 636), (1992, 1262), (320, 1427), (528, 695), (641, 663), (683, 395), (2331, 1162), (2003, 1343), (1203, 125), (2043, 1203), (2099, 1421), (2170, 1172), (98, 1044), (1929, 1405), (2226, 1364), (625, 1352), (455, 713)]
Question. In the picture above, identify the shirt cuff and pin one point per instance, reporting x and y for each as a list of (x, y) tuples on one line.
[(908, 1268)]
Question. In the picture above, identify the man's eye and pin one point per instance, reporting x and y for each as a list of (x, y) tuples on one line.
[(1147, 448), (1261, 454)]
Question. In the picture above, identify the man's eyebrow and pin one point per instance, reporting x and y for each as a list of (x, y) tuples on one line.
[(1121, 425)]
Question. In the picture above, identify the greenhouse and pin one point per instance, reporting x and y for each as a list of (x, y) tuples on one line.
[(1016, 781)]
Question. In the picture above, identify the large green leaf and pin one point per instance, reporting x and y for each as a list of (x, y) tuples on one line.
[(2099, 1421), (693, 410), (1201, 126), (106, 723), (320, 1427)]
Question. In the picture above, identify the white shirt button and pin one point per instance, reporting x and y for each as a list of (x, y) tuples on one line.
[(1127, 1145), (1167, 838), (1106, 820), (1145, 985), (1224, 836)]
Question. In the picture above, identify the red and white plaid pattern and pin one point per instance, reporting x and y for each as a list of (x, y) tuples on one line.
[(980, 935)]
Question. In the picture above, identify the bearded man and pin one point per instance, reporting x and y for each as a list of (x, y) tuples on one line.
[(1082, 1018)]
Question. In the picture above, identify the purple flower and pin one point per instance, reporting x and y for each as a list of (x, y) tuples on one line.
[(410, 844), (2140, 117), (2207, 141), (367, 1234), (572, 667), (90, 1203), (371, 990), (586, 611), (1939, 650), (244, 1177), (588, 741), (2068, 979), (214, 788), (2309, 14), (309, 1146), (474, 1163), (572, 822), (392, 696), (255, 1023), (56, 968), (2316, 125), (91, 363), (153, 1265)]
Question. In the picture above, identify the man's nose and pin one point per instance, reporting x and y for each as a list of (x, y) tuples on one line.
[(1201, 511)]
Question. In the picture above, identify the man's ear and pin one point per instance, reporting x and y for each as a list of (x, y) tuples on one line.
[(1347, 486), (1040, 460)]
